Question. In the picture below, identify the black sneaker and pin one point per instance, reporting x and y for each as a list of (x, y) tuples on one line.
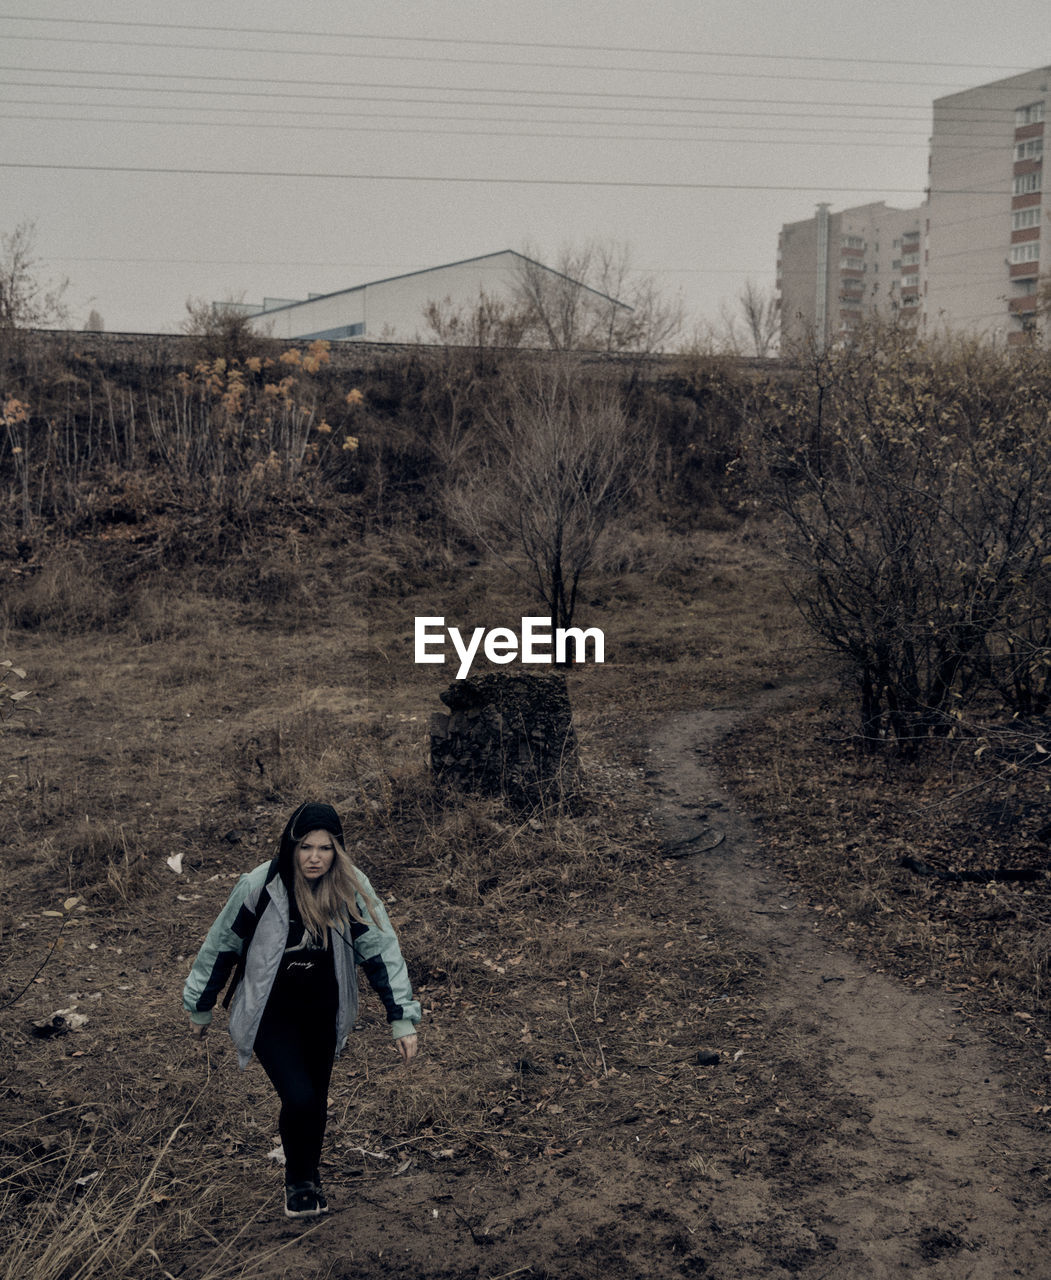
[(319, 1195), (301, 1201)]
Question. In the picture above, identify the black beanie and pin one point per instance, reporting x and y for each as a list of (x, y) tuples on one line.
[(311, 816)]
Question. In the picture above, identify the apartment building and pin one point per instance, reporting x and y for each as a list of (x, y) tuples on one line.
[(972, 258), (987, 232), (835, 269)]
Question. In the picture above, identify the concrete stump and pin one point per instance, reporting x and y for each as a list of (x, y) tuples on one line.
[(509, 735)]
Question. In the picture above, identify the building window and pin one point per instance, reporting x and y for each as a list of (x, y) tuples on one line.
[(344, 331), (853, 242), (1025, 183), (1022, 218), (911, 259), (1031, 114), (911, 281), (1028, 252), (1031, 149)]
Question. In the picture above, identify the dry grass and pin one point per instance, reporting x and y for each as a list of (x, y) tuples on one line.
[(111, 1192), (570, 994), (566, 995)]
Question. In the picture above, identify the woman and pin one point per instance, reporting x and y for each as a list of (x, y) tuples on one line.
[(293, 929)]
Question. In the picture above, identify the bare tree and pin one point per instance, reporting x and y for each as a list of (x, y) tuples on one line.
[(27, 300), (748, 326), (762, 318), (562, 460), (594, 299)]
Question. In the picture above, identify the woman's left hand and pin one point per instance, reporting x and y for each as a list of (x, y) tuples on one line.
[(406, 1047)]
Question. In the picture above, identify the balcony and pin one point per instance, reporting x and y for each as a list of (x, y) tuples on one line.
[(1023, 306), (1021, 337)]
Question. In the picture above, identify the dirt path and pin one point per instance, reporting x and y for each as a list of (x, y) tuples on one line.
[(919, 1156)]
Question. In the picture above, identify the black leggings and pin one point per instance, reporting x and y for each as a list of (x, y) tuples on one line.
[(297, 1056)]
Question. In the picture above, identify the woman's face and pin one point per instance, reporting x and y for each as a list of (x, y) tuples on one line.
[(314, 854)]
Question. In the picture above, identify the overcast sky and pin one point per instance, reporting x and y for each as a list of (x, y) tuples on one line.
[(259, 148)]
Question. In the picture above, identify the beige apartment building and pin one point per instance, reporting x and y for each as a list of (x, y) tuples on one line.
[(836, 269), (971, 258)]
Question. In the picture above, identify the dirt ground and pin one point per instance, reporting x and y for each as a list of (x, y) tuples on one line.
[(891, 1145), (924, 1156), (881, 1138), (645, 1053)]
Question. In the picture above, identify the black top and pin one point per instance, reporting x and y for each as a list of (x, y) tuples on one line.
[(305, 986)]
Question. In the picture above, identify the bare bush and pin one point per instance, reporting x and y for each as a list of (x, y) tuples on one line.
[(223, 330), (563, 459), (915, 480)]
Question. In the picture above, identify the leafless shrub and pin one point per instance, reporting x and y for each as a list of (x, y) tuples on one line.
[(223, 331), (558, 467), (915, 481)]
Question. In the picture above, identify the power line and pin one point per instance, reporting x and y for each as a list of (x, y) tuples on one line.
[(475, 42), (762, 112), (899, 141), (489, 181), (628, 101), (407, 269), (400, 268), (838, 128), (153, 76), (834, 128), (457, 133), (486, 63)]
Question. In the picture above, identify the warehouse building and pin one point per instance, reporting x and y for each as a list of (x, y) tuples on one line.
[(395, 309)]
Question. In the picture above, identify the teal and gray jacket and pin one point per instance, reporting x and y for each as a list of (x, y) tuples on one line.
[(250, 934)]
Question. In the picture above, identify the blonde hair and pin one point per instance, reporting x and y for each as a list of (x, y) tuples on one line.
[(331, 898)]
